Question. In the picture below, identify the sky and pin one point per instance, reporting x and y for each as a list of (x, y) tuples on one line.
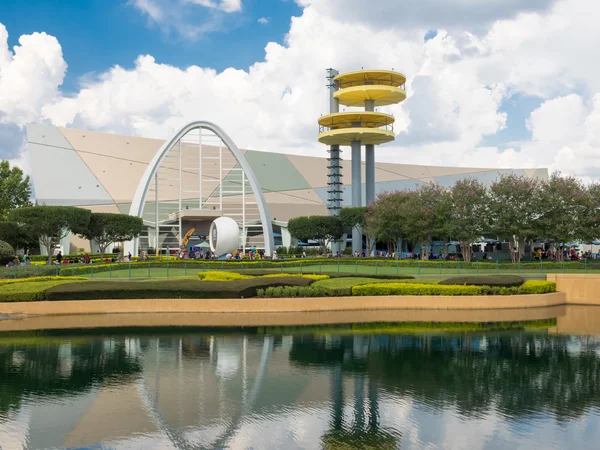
[(495, 83)]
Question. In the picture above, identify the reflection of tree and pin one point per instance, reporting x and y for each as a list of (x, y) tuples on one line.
[(42, 371), (519, 375)]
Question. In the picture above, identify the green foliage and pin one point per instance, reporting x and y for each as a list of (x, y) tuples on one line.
[(39, 279), (291, 291), (353, 216), (16, 236), (15, 189), (30, 291), (222, 276), (323, 229), (468, 221), (414, 289), (181, 288), (7, 253), (337, 287), (50, 224), (387, 217), (537, 287), (107, 228), (485, 280)]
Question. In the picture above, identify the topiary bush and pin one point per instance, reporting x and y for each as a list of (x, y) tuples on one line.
[(291, 292), (181, 288), (7, 253), (485, 280), (414, 289), (39, 279), (222, 276), (27, 292)]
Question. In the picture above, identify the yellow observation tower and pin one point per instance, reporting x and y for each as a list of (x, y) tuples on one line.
[(367, 89)]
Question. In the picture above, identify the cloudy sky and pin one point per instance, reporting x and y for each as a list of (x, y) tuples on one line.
[(491, 83)]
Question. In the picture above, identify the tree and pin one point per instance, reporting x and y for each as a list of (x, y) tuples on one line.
[(514, 208), (15, 191), (17, 236), (7, 253), (565, 211), (323, 229), (50, 224), (107, 228), (467, 220), (427, 214), (354, 217), (387, 216)]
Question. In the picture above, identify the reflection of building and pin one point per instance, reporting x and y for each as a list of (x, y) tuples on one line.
[(200, 178)]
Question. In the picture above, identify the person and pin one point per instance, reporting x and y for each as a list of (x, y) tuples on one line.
[(304, 253), (129, 256), (59, 257), (274, 254)]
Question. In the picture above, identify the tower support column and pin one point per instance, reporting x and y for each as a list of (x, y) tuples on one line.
[(369, 162), (356, 193)]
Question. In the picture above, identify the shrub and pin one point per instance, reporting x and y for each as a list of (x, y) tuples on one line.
[(27, 271), (28, 292), (38, 279), (485, 280), (537, 287), (7, 253), (291, 291), (222, 276), (414, 289), (311, 276), (181, 288)]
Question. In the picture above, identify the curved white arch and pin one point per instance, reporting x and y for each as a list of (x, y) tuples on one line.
[(139, 199)]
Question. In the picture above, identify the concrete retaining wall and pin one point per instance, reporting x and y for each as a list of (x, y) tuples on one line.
[(583, 289), (281, 305)]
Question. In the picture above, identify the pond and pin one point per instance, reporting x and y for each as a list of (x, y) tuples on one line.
[(526, 386)]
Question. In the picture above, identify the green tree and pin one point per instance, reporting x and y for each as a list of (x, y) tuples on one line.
[(354, 217), (467, 220), (386, 218), (50, 224), (17, 236), (15, 190), (323, 229), (565, 211), (514, 209), (427, 214), (7, 253), (106, 229)]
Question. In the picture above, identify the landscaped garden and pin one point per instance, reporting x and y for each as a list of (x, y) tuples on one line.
[(222, 284)]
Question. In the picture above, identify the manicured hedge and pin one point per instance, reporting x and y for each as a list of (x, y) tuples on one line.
[(38, 279), (291, 292), (29, 292), (222, 276), (414, 289), (484, 280), (229, 276), (529, 287), (182, 288), (27, 271)]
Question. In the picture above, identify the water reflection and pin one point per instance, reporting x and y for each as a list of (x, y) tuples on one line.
[(195, 389)]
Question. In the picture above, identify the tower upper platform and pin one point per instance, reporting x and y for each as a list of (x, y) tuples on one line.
[(384, 87)]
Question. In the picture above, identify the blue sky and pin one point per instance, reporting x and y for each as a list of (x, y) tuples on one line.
[(98, 34), (477, 73)]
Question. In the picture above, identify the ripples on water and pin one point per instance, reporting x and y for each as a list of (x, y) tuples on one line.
[(195, 389)]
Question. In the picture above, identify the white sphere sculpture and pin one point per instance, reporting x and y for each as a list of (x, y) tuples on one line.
[(224, 236)]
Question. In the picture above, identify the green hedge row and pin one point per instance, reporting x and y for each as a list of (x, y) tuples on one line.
[(485, 280), (194, 289), (292, 291), (529, 287)]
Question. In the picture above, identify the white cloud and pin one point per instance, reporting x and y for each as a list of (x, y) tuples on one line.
[(263, 20), (457, 82), (191, 19)]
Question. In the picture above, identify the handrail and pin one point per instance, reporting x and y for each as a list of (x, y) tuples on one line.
[(348, 125), (371, 81)]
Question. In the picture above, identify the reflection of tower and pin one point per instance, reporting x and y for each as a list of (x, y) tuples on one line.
[(368, 89)]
